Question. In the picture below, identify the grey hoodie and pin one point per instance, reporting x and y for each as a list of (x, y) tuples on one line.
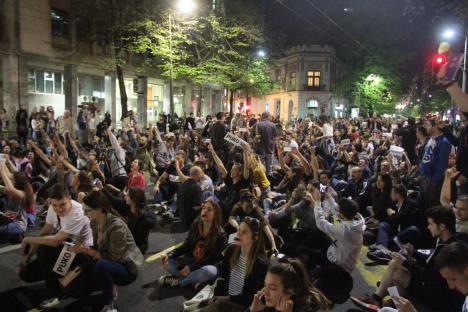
[(346, 236)]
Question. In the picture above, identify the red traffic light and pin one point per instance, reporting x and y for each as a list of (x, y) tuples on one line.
[(439, 59)]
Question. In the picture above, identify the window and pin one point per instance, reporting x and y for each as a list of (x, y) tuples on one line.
[(60, 22), (98, 87), (312, 103), (313, 78), (45, 81), (292, 79), (83, 28)]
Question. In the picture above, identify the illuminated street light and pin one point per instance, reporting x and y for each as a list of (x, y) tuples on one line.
[(186, 6), (448, 34), (261, 53)]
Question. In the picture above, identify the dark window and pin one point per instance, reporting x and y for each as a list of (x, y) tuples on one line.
[(58, 83), (83, 28), (60, 23), (40, 81)]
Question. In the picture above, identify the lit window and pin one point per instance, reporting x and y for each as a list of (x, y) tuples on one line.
[(313, 78), (59, 21), (312, 103)]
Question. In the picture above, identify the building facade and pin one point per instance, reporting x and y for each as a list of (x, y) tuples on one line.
[(53, 54), (306, 77)]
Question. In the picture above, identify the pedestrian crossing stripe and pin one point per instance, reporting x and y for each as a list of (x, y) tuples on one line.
[(158, 255)]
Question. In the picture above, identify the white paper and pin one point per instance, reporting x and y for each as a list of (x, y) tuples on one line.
[(64, 261), (393, 292), (231, 238), (345, 142)]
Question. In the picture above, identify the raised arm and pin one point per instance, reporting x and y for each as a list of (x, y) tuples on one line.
[(304, 163), (9, 186), (41, 154), (68, 165), (446, 192), (217, 160)]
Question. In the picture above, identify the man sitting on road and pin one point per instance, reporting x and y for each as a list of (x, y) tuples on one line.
[(65, 222)]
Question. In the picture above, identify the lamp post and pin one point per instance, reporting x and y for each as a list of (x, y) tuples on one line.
[(184, 7)]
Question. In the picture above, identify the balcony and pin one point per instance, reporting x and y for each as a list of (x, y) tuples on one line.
[(314, 88)]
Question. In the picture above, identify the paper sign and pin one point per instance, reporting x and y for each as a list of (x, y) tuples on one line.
[(243, 130), (393, 292), (345, 142), (396, 150), (64, 261), (287, 149), (234, 139), (387, 134)]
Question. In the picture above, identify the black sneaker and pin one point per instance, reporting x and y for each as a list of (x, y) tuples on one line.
[(379, 256), (169, 281)]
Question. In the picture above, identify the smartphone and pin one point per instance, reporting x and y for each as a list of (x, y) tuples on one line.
[(453, 65), (262, 299), (323, 188), (208, 141)]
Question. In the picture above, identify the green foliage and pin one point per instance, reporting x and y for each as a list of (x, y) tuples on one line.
[(208, 49)]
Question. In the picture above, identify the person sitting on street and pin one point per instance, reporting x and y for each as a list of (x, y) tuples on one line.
[(194, 262)]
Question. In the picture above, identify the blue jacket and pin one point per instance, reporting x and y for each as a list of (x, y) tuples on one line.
[(435, 159)]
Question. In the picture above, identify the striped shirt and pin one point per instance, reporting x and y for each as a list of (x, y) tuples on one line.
[(237, 277)]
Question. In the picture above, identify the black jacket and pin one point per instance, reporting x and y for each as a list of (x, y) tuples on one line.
[(405, 216), (189, 196), (428, 285), (252, 283), (218, 132), (212, 257)]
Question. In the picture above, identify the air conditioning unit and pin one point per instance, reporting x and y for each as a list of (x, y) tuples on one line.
[(85, 99), (94, 99)]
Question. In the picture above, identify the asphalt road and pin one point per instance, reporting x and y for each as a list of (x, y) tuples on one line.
[(145, 293)]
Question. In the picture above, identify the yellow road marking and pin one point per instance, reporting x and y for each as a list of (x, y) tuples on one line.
[(35, 310), (158, 255), (371, 274)]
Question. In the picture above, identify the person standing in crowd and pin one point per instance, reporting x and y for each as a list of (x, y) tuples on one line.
[(22, 127), (408, 135), (4, 124), (65, 124), (434, 163), (265, 133), (92, 122), (218, 131)]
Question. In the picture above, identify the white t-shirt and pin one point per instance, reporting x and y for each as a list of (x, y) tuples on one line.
[(75, 223), (327, 130)]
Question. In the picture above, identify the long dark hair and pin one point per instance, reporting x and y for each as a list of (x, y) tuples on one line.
[(387, 180), (97, 200), (215, 228), (21, 182), (85, 183), (294, 277), (258, 247), (137, 195)]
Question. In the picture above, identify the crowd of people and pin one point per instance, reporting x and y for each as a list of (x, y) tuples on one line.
[(276, 219)]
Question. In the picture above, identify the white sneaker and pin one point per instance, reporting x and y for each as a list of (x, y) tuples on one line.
[(49, 303), (109, 308)]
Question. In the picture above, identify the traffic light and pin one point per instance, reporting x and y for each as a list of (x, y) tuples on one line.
[(438, 61)]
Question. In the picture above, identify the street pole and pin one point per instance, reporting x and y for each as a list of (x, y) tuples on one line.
[(464, 64), (171, 81)]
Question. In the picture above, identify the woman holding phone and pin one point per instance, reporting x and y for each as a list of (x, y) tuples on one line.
[(287, 289)]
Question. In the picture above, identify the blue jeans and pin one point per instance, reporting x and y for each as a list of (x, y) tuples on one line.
[(9, 230), (109, 273), (386, 233), (202, 275), (267, 160)]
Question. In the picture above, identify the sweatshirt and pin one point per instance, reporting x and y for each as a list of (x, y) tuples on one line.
[(435, 159), (346, 236)]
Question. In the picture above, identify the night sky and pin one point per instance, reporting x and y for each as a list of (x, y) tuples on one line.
[(363, 27)]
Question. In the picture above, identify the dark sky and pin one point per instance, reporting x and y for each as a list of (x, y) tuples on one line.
[(371, 27)]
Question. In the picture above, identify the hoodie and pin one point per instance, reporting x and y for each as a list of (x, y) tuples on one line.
[(346, 236)]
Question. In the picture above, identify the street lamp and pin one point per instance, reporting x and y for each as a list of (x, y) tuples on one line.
[(185, 7), (261, 53), (450, 34)]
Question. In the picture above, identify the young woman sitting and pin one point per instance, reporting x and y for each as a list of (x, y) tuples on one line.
[(287, 289), (194, 262), (118, 257), (243, 269)]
